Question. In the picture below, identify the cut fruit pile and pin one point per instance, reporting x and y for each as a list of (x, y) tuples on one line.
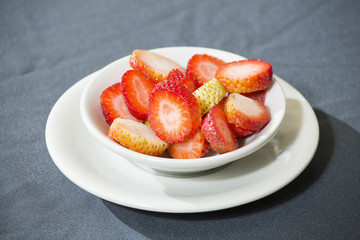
[(159, 106)]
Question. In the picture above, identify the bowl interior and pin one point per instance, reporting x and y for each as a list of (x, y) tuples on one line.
[(94, 121)]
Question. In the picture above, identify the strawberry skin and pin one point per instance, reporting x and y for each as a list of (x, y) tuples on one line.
[(203, 67), (113, 104), (153, 64), (240, 132), (137, 88), (246, 113), (245, 76), (257, 95), (217, 131), (209, 94), (195, 146), (182, 78), (173, 112), (137, 137)]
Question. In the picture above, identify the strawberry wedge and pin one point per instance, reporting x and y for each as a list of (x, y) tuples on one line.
[(245, 112), (217, 131), (173, 112), (113, 104), (245, 76), (152, 64), (137, 88), (203, 67)]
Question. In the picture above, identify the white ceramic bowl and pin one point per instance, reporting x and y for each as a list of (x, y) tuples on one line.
[(94, 121)]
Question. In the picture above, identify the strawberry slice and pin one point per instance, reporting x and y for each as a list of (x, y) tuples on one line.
[(217, 131), (194, 147), (257, 95), (136, 88), (173, 112), (240, 132), (203, 67), (137, 137), (152, 64), (182, 78), (209, 94), (113, 104), (246, 113), (245, 76)]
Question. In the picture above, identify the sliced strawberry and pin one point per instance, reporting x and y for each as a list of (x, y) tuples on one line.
[(217, 131), (245, 76), (182, 78), (173, 112), (257, 95), (209, 94), (246, 113), (240, 132), (137, 137), (136, 88), (203, 67), (153, 64), (113, 104), (195, 146)]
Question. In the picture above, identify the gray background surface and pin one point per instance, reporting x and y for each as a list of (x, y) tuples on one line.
[(47, 46)]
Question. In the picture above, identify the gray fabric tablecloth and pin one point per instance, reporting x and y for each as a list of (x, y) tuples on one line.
[(47, 46)]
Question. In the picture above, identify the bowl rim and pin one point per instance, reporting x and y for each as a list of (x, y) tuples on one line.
[(165, 161)]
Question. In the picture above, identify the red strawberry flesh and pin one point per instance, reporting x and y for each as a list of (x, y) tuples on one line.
[(137, 88), (203, 67), (173, 112), (195, 146), (183, 78), (113, 104), (217, 131)]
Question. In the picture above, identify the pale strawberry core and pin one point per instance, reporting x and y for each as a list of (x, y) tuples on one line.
[(160, 63), (245, 105)]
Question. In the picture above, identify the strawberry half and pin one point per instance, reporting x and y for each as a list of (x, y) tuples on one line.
[(217, 131), (113, 104), (152, 64), (245, 76), (137, 88), (246, 113), (182, 78), (203, 67), (137, 137), (173, 112), (194, 147)]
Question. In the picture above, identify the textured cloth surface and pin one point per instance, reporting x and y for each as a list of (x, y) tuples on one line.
[(47, 46)]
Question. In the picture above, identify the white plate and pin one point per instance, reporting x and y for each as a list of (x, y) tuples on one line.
[(108, 176)]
